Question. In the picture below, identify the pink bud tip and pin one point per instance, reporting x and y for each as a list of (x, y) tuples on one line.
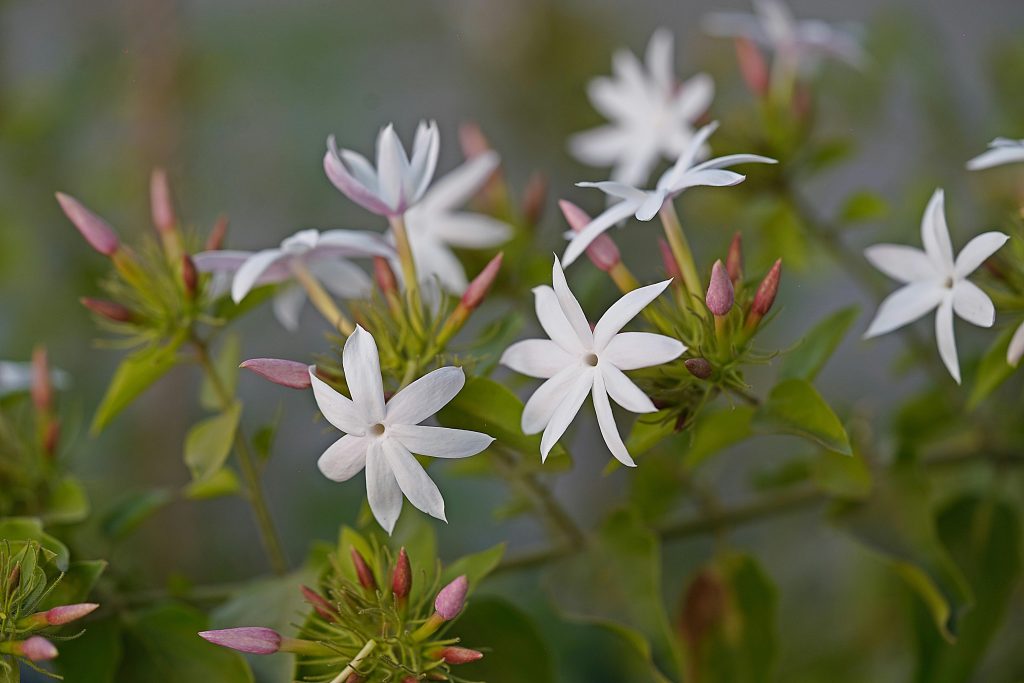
[(481, 284), (65, 614), (668, 260), (38, 649), (602, 252), (161, 206), (534, 197), (766, 291), (734, 261), (450, 600), (363, 572), (189, 276), (217, 235), (108, 309), (720, 294), (472, 140), (401, 580), (287, 373), (42, 387), (752, 66), (253, 640), (319, 603), (94, 229), (384, 276), (460, 655)]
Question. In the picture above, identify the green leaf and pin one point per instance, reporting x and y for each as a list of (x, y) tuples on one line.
[(993, 369), (223, 482), (68, 503), (31, 529), (76, 584), (514, 649), (717, 431), (225, 363), (841, 477), (208, 443), (94, 656), (863, 206), (476, 567), (810, 355), (133, 510), (795, 407), (649, 430), (135, 374)]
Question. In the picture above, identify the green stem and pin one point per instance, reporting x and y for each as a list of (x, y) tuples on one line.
[(353, 666), (12, 672), (405, 258), (680, 249)]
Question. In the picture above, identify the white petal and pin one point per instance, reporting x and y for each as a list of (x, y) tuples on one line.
[(905, 305), (977, 251), (614, 188), (425, 396), (972, 304), (633, 350), (659, 59), (686, 159), (362, 374), (566, 410), (352, 243), (946, 338), (1016, 348), (426, 148), (570, 306), (997, 157), (391, 168), (288, 303), (459, 186), (600, 224), (440, 442), (224, 260), (554, 322), (435, 260), (360, 168), (250, 272), (542, 404), (345, 458), (601, 146), (537, 358), (637, 160), (901, 263), (337, 409), (342, 278), (623, 391), (417, 486), (651, 205), (694, 98), (470, 230), (731, 160), (382, 489), (624, 310), (707, 178), (935, 233), (606, 422)]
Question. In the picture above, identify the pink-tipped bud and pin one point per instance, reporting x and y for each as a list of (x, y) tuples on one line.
[(602, 252), (384, 276), (108, 309), (535, 196), (698, 367), (189, 275), (752, 66), (65, 614), (253, 640), (668, 260), (766, 291), (481, 284), (42, 387), (734, 260), (363, 572), (37, 649), (319, 603), (720, 294), (160, 204), (401, 579), (287, 373), (472, 140), (51, 437), (94, 229), (458, 655), (218, 233), (452, 598)]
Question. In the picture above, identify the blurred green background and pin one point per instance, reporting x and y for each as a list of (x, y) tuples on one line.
[(236, 97)]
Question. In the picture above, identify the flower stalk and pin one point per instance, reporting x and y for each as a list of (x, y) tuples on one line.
[(321, 300), (680, 247)]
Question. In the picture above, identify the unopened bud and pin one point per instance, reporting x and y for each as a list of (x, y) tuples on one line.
[(481, 284), (108, 309), (767, 290), (698, 367), (401, 579), (253, 640), (13, 579), (752, 66), (363, 572), (65, 614), (51, 437), (319, 603), (94, 229), (42, 386), (384, 276), (287, 373), (703, 607), (734, 260), (160, 203), (34, 649), (602, 252), (215, 240), (668, 260), (1016, 349), (721, 295), (472, 140), (451, 599), (534, 197), (457, 655), (189, 276)]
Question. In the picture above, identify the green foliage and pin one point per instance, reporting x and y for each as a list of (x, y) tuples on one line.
[(795, 407), (208, 443), (225, 363), (134, 375), (131, 511), (807, 359), (17, 531), (862, 207), (519, 652), (993, 369)]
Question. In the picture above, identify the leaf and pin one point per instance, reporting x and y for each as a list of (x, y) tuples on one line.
[(862, 207), (68, 503), (134, 375), (94, 656), (208, 443), (31, 529), (810, 355), (514, 650), (225, 363), (841, 477), (717, 431), (795, 407), (649, 430), (223, 482), (476, 567), (130, 512), (77, 583), (993, 369)]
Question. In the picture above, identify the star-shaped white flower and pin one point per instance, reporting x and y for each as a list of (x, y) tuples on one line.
[(773, 26), (651, 113), (434, 224), (935, 280), (645, 204), (577, 361), (381, 437), (398, 181), (325, 255), (1000, 151)]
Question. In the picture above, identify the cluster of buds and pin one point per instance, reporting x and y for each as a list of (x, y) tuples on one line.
[(367, 625)]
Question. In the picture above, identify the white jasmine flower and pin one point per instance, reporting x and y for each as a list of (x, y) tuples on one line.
[(935, 280), (381, 437), (325, 255), (803, 42), (645, 204), (434, 224), (577, 361), (1016, 348), (398, 181), (1000, 151), (651, 114)]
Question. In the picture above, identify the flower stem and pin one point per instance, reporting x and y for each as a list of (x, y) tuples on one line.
[(247, 465), (680, 249), (320, 298), (356, 661), (405, 258), (10, 670)]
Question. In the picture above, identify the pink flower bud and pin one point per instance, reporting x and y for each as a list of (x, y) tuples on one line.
[(602, 252), (319, 603), (766, 291), (698, 367), (189, 276), (534, 197), (401, 580), (37, 649), (384, 276), (42, 387), (472, 140), (65, 614), (734, 260), (481, 284), (287, 373), (668, 260), (752, 66), (253, 640), (363, 572), (94, 229), (108, 309), (219, 231), (160, 204), (451, 598), (720, 294), (459, 655)]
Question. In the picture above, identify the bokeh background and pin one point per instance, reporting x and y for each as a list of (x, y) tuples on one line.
[(236, 97)]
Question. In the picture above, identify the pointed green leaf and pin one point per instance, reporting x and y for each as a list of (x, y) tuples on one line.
[(993, 369), (208, 443), (68, 503), (223, 482), (135, 374), (795, 407), (714, 432), (133, 510), (810, 355), (516, 651), (17, 529), (225, 362)]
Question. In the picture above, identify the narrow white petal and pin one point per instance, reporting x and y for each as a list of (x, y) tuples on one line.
[(946, 338), (659, 59), (425, 396), (566, 410), (635, 164), (689, 155), (424, 173), (360, 168), (731, 160), (606, 422), (1016, 349), (337, 409), (414, 481), (651, 205), (345, 458), (623, 391), (997, 157), (352, 243), (901, 263), (633, 350), (707, 178), (440, 442), (537, 358), (570, 306), (459, 186), (972, 304), (382, 489), (391, 167), (435, 260), (601, 146), (977, 251), (542, 404), (554, 322), (470, 230), (250, 272), (624, 310), (220, 261), (694, 97), (612, 215), (288, 303), (614, 188), (905, 305), (935, 233), (342, 278), (362, 374)]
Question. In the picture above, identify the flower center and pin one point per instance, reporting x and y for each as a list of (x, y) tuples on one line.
[(948, 284), (590, 359), (377, 429)]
